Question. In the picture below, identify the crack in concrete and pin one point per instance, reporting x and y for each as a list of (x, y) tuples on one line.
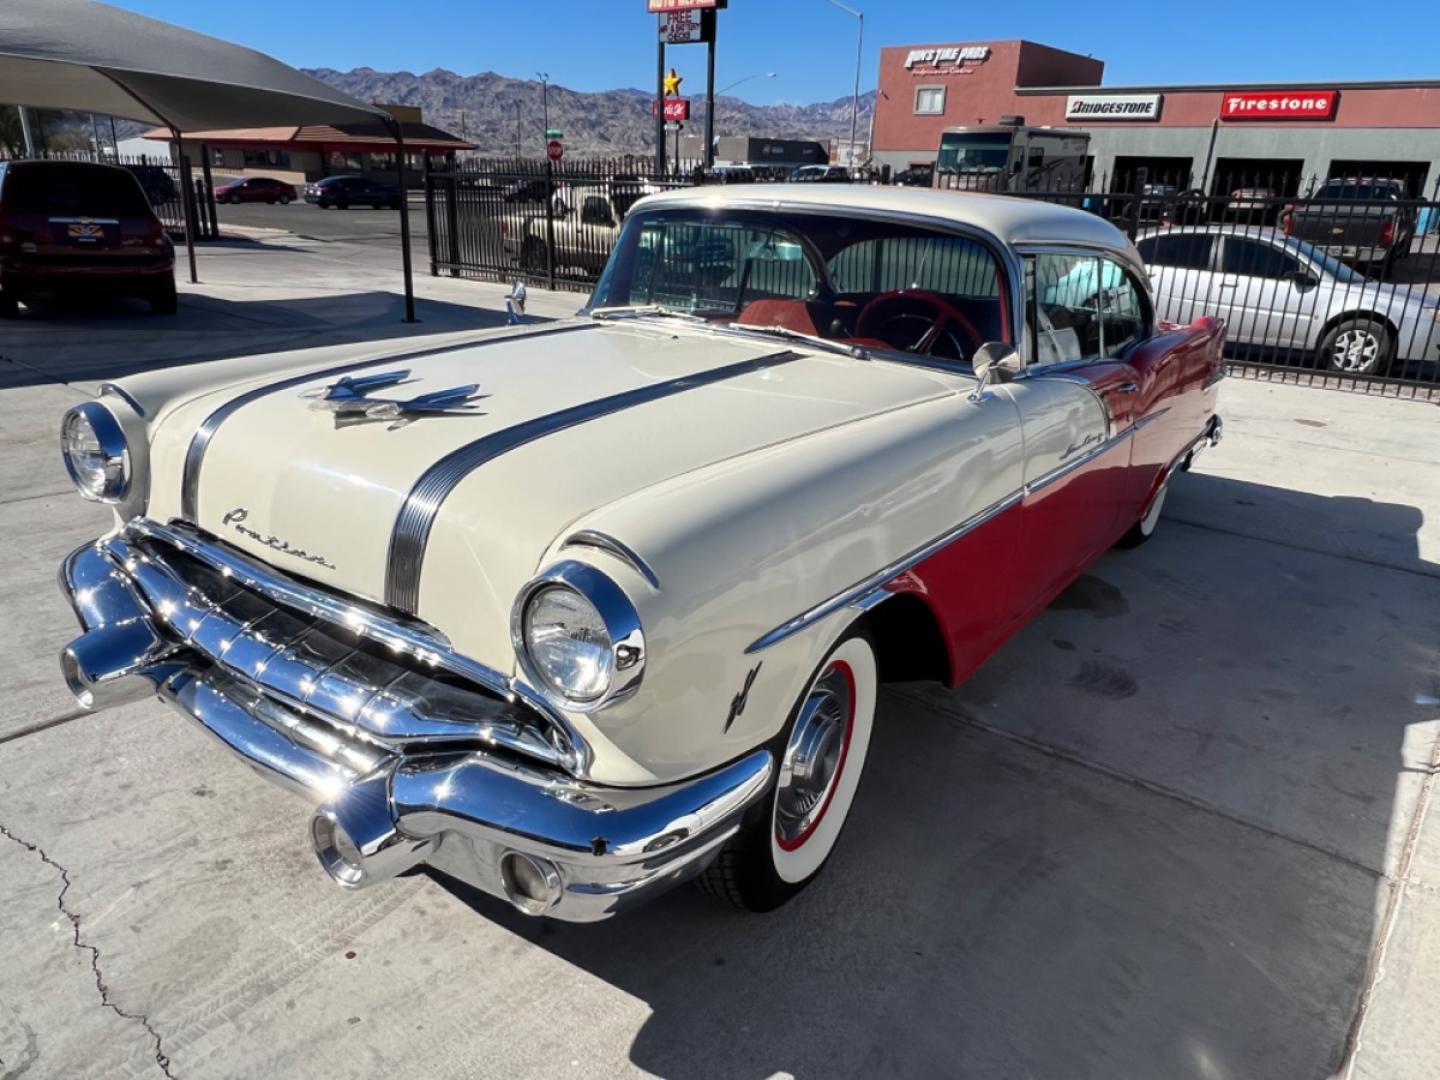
[(139, 1018)]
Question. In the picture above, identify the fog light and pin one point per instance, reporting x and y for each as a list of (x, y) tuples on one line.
[(337, 852), (532, 885)]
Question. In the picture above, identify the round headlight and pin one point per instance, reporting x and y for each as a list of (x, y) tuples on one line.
[(578, 637), (96, 453)]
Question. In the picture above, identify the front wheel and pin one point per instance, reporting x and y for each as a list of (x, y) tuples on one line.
[(788, 836), (1359, 346)]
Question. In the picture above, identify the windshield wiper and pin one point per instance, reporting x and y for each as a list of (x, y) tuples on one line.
[(855, 352), (635, 311)]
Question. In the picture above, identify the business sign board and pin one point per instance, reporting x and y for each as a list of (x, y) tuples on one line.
[(1279, 104), (660, 7), (685, 27), (676, 110), (954, 57), (1113, 106)]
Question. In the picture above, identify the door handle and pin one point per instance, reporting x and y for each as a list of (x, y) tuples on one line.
[(1226, 284)]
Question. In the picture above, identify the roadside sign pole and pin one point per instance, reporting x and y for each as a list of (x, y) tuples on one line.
[(659, 108), (29, 140), (710, 19)]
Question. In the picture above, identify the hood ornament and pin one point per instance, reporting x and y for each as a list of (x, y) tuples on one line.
[(349, 401)]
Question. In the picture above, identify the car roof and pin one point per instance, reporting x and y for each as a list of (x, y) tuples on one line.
[(1010, 220)]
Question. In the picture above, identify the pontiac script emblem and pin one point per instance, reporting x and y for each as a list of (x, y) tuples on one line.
[(239, 514), (349, 401)]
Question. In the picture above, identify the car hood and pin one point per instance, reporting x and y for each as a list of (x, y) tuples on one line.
[(565, 423)]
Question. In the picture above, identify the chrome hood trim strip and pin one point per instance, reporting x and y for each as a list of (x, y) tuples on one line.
[(417, 514), (200, 441)]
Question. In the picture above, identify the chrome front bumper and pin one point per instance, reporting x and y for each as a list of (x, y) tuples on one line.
[(459, 798)]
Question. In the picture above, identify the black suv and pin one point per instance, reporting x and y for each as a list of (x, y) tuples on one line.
[(347, 191)]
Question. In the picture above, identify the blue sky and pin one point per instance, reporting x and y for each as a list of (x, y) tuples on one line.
[(810, 45)]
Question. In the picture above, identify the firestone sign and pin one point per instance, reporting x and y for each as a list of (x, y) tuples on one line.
[(952, 54), (1278, 104), (1113, 106)]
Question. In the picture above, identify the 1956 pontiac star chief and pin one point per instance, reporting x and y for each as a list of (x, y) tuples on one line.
[(576, 611)]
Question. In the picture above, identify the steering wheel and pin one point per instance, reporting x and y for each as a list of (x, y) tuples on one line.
[(889, 309)]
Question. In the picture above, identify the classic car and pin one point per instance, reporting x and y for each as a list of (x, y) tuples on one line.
[(576, 611)]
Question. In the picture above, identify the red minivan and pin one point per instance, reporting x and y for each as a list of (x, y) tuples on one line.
[(70, 228)]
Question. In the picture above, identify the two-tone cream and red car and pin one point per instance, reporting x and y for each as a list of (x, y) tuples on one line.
[(576, 611)]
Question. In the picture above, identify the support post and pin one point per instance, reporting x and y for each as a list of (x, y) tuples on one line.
[(404, 224), (431, 239), (549, 222), (710, 18), (29, 140), (187, 203), (660, 107), (212, 220)]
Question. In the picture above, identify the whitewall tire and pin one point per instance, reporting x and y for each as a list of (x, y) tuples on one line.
[(786, 840), (1145, 528)]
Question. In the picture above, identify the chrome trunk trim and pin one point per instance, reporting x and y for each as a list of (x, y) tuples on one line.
[(200, 441), (422, 505)]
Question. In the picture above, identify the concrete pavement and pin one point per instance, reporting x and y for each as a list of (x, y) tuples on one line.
[(1181, 826)]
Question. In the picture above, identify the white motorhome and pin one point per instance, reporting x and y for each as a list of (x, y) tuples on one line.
[(1011, 157)]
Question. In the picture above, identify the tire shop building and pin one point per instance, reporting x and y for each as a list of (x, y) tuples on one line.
[(1214, 137)]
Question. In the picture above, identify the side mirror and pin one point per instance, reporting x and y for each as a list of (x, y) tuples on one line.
[(993, 362), (1303, 280), (515, 304)]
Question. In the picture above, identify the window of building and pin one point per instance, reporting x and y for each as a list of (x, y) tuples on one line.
[(267, 159), (929, 100)]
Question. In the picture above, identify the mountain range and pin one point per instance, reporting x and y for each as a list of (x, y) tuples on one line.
[(483, 108)]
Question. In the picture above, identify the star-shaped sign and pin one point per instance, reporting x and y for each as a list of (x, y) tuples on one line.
[(672, 83)]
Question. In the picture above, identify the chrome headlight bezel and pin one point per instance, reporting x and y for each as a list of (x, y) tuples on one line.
[(113, 445), (622, 626)]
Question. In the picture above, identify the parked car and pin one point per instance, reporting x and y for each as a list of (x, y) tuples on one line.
[(1359, 220), (155, 181), (821, 174), (256, 189), (1253, 205), (70, 228), (921, 176), (1278, 292), (343, 192), (731, 174), (584, 223), (580, 610)]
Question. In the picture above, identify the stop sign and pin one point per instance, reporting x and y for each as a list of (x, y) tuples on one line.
[(553, 150)]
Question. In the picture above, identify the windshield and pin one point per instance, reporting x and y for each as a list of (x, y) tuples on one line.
[(858, 283), (962, 151)]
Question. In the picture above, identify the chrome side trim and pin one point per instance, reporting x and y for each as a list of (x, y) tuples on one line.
[(594, 538), (409, 636), (200, 441), (860, 593), (422, 505), (123, 394)]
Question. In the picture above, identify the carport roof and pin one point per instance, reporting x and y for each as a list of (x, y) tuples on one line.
[(358, 136)]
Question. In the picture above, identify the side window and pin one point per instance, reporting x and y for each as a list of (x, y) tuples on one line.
[(1063, 304), (1124, 314), (596, 211), (1185, 251), (1250, 258)]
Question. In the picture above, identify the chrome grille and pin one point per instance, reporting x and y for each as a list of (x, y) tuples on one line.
[(312, 668)]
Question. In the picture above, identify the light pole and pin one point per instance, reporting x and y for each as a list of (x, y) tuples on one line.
[(517, 129), (855, 99), (747, 78), (545, 100)]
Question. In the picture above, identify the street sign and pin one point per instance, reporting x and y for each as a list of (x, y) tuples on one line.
[(660, 7), (686, 27), (676, 109), (554, 133), (553, 150)]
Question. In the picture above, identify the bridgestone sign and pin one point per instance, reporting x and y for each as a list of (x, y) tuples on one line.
[(1113, 107)]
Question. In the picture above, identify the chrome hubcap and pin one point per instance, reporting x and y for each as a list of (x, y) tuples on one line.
[(1355, 350), (814, 756)]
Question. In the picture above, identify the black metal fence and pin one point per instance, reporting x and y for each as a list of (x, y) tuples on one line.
[(546, 223), (1330, 282), (165, 184)]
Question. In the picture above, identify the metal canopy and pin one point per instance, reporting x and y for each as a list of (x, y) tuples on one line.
[(85, 56)]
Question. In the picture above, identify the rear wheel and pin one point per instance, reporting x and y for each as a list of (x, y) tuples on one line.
[(1145, 528), (163, 300), (284, 200), (787, 838), (233, 200), (1357, 346)]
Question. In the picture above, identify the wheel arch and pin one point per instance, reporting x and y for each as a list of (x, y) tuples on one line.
[(1344, 316), (910, 643)]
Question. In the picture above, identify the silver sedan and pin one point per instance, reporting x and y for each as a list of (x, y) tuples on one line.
[(1285, 296)]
